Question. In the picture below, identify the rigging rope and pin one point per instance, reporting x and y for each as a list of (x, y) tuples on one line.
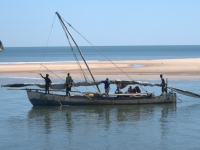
[(45, 53), (52, 72), (77, 49), (82, 71), (41, 64), (73, 52), (64, 81), (100, 52), (45, 49)]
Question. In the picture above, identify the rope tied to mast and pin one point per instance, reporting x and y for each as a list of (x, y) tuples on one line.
[(65, 28), (102, 53)]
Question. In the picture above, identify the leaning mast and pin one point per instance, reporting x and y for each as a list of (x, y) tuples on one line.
[(59, 17)]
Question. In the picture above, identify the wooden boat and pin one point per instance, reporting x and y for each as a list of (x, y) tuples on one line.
[(38, 98)]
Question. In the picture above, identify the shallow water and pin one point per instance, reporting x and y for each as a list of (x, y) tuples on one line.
[(160, 126)]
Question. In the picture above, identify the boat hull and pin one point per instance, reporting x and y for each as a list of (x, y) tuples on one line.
[(42, 99)]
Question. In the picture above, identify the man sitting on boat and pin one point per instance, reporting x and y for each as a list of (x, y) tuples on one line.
[(137, 89), (118, 91), (133, 90), (130, 90)]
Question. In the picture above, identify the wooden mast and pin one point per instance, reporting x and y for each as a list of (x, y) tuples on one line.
[(78, 49)]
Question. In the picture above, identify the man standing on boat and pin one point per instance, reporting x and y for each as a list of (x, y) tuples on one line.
[(68, 83), (163, 85), (47, 82), (107, 86)]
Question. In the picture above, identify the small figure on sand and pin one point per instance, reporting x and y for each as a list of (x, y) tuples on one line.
[(47, 82)]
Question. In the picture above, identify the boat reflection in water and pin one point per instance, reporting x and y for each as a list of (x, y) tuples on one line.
[(72, 117)]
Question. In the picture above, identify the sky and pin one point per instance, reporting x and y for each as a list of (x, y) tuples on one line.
[(25, 23)]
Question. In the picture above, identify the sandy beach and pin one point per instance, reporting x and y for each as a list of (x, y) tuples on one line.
[(170, 68)]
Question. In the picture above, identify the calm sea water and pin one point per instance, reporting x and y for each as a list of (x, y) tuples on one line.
[(51, 54), (168, 126)]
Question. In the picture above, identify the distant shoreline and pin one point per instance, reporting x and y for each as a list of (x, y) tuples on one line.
[(170, 68), (102, 46)]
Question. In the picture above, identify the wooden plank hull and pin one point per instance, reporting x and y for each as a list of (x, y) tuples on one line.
[(42, 99)]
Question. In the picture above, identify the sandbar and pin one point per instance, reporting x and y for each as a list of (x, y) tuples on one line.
[(130, 69)]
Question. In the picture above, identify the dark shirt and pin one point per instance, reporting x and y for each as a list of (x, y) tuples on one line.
[(163, 82), (137, 89), (68, 79), (47, 81), (134, 90), (107, 84)]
